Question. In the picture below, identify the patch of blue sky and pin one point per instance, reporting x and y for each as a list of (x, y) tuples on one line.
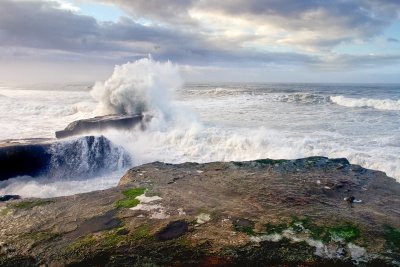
[(101, 12), (393, 31), (386, 43)]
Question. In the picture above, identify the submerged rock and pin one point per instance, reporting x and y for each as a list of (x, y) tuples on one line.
[(99, 124), (255, 213), (79, 156)]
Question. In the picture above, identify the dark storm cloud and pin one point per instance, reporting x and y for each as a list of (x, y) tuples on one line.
[(42, 29), (350, 19), (35, 25)]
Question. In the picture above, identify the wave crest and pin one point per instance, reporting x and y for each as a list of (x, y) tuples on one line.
[(303, 98), (381, 104)]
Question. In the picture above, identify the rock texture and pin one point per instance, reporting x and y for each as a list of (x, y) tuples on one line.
[(99, 124), (79, 156), (24, 157), (257, 213)]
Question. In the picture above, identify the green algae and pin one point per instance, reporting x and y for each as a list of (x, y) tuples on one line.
[(42, 236), (141, 232), (114, 237), (30, 204), (134, 192), (245, 229), (111, 239), (392, 237), (271, 229), (107, 239), (82, 245), (130, 199), (127, 203), (346, 232)]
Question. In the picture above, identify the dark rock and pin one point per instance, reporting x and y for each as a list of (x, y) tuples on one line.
[(80, 156), (96, 224), (9, 197), (266, 213), (243, 223), (173, 230), (350, 199), (99, 124), (24, 157)]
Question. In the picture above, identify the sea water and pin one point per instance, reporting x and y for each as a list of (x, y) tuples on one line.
[(208, 122)]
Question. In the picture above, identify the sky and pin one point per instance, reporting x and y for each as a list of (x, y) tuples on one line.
[(337, 41)]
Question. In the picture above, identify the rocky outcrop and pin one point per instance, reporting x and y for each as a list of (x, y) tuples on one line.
[(9, 197), (79, 156), (99, 124), (24, 157), (257, 213)]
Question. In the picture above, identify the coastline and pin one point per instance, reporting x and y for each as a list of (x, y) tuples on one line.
[(263, 212)]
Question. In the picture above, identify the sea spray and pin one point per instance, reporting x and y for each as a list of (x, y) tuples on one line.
[(239, 122), (144, 86)]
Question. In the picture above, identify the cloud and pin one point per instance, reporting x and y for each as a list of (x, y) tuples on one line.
[(64, 34), (309, 24), (247, 34), (393, 40)]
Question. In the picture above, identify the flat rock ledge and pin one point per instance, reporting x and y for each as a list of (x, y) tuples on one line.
[(307, 212), (102, 123)]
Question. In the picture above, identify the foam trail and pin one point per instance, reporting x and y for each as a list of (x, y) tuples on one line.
[(381, 104), (142, 86)]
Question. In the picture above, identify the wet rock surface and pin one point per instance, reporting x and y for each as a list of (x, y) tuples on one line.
[(24, 157), (256, 213), (99, 124), (173, 230), (9, 197), (76, 156)]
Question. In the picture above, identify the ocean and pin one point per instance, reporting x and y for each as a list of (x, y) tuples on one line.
[(210, 122)]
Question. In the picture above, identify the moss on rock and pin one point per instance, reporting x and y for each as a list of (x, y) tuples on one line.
[(392, 237), (130, 199), (30, 204)]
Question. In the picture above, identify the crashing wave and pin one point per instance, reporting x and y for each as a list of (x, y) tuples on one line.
[(134, 88), (86, 156), (302, 98), (381, 104)]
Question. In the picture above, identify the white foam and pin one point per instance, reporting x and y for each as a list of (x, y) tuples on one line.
[(43, 187), (142, 86), (381, 104), (235, 123)]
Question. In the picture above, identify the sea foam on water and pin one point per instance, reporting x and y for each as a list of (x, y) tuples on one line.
[(238, 122)]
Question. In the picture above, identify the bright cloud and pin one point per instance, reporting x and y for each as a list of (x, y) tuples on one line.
[(314, 35)]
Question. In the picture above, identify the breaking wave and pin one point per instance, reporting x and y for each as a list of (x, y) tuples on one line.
[(174, 134), (302, 98), (86, 157), (381, 104), (142, 86)]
